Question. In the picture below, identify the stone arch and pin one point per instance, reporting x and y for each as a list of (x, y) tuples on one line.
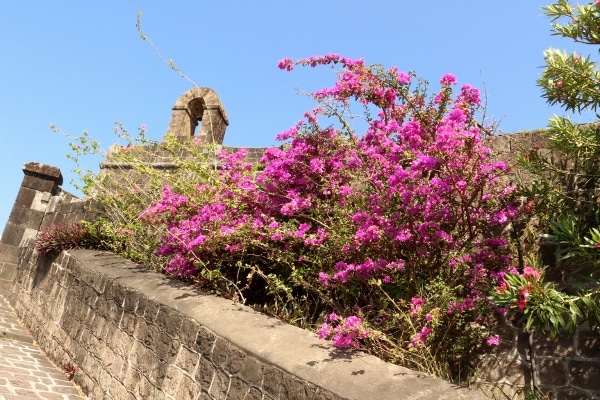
[(195, 105)]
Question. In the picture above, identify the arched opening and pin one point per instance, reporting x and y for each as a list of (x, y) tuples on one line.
[(199, 112)]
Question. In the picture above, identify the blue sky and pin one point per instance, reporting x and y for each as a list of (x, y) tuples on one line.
[(82, 66)]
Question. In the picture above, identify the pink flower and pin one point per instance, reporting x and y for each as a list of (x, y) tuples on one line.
[(324, 279), (493, 341), (529, 272), (325, 331), (419, 338), (334, 317), (403, 78), (286, 64), (415, 305), (559, 84), (448, 80)]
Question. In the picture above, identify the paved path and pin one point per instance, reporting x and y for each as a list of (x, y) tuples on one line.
[(25, 373)]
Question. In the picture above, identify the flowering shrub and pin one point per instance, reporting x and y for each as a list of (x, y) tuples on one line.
[(563, 186), (394, 230), (57, 238), (541, 302), (129, 183)]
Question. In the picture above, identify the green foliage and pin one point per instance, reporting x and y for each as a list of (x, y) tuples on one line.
[(563, 191), (571, 80), (133, 177)]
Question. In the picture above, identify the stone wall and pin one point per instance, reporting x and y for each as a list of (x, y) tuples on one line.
[(132, 333), (564, 368), (40, 203)]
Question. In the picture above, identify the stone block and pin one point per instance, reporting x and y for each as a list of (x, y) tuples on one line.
[(130, 300), (151, 337), (8, 271), (92, 366), (573, 394), (118, 368), (128, 323), (140, 329), (39, 184), (159, 373), (188, 332), (187, 360), (172, 379), (41, 202), (499, 144), (235, 360), (205, 341), (25, 198), (189, 389), (252, 371), (254, 393), (132, 377), (169, 320), (135, 354), (588, 344), (140, 307), (220, 352), (237, 388), (89, 296), (294, 389), (151, 310), (145, 389), (516, 370), (107, 356), (94, 280), (163, 346), (121, 343), (148, 362), (489, 368), (585, 374), (116, 293), (43, 170), (13, 234), (544, 345), (220, 385), (205, 374), (114, 313), (26, 218), (551, 372), (272, 381)]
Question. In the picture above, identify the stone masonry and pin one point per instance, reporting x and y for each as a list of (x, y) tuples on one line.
[(39, 195), (131, 334)]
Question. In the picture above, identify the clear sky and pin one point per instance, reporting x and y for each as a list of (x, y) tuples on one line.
[(82, 65)]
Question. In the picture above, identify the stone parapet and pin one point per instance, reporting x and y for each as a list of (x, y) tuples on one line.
[(39, 193), (132, 333)]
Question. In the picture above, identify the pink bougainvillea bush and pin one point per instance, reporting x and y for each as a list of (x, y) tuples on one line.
[(387, 239)]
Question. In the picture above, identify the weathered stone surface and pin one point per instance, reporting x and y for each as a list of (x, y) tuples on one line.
[(551, 372), (188, 389), (562, 346), (585, 374), (43, 170), (205, 374), (39, 183), (187, 360), (589, 344)]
